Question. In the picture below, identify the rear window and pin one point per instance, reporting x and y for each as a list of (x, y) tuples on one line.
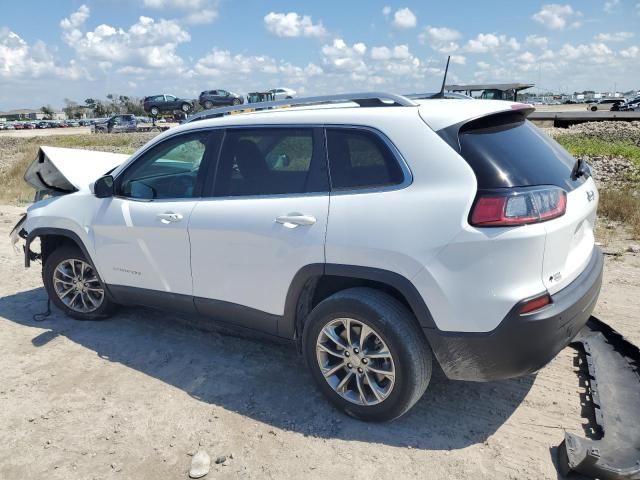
[(360, 159), (506, 150)]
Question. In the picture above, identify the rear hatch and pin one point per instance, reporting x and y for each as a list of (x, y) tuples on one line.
[(508, 153)]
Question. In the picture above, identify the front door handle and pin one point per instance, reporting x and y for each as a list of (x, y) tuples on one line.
[(169, 217), (294, 219)]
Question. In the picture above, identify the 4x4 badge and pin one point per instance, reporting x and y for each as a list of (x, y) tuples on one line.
[(591, 195)]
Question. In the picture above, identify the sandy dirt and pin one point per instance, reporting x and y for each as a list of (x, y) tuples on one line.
[(47, 132), (137, 395)]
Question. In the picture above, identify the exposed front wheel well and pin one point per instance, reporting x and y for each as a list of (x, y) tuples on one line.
[(51, 242)]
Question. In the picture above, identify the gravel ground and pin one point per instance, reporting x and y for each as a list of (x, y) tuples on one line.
[(608, 171), (137, 395)]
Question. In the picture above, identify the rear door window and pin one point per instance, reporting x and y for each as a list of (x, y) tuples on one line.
[(360, 159), (271, 161), (506, 150)]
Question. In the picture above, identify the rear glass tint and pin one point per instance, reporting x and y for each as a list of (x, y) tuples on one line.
[(505, 150), (360, 159)]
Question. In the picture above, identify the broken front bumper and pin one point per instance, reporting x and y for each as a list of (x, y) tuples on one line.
[(613, 391), (18, 233)]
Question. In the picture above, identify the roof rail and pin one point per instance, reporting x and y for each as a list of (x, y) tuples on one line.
[(367, 99)]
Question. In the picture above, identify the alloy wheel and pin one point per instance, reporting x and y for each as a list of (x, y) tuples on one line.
[(77, 286), (355, 361)]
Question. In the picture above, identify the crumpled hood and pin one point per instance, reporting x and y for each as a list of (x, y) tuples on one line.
[(66, 170)]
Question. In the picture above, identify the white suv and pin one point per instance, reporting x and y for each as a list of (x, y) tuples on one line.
[(375, 231)]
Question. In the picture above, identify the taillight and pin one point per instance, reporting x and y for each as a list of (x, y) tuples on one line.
[(535, 304), (518, 206)]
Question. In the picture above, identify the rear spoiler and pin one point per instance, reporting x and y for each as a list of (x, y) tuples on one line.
[(451, 134)]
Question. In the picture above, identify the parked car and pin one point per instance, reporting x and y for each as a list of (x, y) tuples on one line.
[(18, 125), (29, 125), (605, 104), (283, 93), (117, 124), (218, 98), (157, 104), (378, 239), (630, 105)]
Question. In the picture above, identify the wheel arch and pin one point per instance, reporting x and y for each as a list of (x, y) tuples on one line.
[(50, 239), (313, 283)]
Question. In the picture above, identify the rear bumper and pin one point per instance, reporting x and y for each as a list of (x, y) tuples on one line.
[(521, 344)]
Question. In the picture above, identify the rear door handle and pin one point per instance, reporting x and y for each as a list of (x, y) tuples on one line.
[(169, 217), (294, 219)]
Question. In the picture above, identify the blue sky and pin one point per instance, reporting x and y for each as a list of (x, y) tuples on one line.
[(51, 50)]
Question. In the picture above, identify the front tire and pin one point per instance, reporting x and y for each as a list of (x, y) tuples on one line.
[(154, 111), (208, 105), (377, 377), (185, 107), (74, 286)]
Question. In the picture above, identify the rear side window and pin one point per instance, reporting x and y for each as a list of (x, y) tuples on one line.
[(505, 150), (360, 159), (269, 161)]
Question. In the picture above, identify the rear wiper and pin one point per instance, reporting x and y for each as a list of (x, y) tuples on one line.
[(579, 169)]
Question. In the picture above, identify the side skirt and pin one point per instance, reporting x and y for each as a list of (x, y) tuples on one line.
[(203, 312)]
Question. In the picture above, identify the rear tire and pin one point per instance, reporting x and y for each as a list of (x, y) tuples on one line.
[(236, 101), (393, 330), (208, 105), (593, 109), (68, 270)]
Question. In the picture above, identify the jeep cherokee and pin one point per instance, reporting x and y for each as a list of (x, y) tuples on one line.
[(377, 233)]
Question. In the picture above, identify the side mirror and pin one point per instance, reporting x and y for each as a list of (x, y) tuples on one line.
[(103, 187)]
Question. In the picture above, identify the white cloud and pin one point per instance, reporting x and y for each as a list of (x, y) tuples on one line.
[(340, 56), (404, 18), (397, 60), (614, 37), (611, 5), (147, 43), (527, 57), (76, 19), (537, 41), (441, 39), (483, 65), (483, 43), (631, 52), (197, 11), (399, 52), (555, 16), (486, 42), (593, 52), (18, 60), (218, 62), (458, 59), (293, 25), (386, 10)]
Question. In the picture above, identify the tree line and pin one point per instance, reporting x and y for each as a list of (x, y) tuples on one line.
[(113, 104)]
